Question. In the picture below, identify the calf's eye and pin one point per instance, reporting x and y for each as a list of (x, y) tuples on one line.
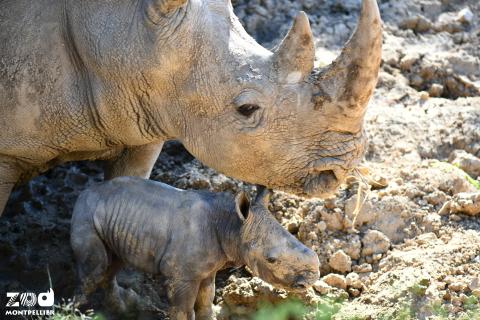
[(247, 110), (271, 259)]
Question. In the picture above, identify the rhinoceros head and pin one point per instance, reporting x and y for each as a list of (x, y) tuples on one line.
[(269, 117), (270, 251), (262, 116)]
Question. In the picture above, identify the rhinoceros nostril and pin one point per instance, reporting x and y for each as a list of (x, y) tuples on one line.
[(327, 178), (299, 283)]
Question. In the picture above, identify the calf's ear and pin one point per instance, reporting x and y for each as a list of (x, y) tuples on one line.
[(263, 195), (164, 7), (242, 205)]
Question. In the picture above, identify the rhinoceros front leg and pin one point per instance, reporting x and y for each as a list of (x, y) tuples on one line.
[(181, 296), (134, 161), (9, 175), (204, 302)]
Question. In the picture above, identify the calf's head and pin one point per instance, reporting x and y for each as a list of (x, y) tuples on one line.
[(270, 251), (262, 116)]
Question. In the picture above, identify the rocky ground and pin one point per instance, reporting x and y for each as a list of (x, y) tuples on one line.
[(402, 242)]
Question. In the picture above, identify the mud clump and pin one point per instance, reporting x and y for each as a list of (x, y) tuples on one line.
[(466, 161), (465, 203)]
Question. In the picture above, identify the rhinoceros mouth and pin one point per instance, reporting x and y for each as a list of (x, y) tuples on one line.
[(323, 184), (327, 173)]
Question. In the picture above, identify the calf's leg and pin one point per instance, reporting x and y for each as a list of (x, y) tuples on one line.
[(203, 304), (120, 299), (92, 258), (181, 296), (134, 161)]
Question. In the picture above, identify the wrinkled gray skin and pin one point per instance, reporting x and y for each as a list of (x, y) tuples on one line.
[(115, 79), (187, 236)]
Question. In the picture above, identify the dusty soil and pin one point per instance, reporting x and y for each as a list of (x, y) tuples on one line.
[(413, 249)]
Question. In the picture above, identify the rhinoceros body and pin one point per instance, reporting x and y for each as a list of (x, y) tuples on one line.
[(115, 79), (187, 236)]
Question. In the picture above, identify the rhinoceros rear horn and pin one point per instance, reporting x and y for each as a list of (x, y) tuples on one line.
[(165, 7), (344, 88), (294, 57)]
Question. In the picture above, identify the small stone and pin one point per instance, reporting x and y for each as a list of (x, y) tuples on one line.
[(375, 242), (334, 221), (376, 257), (378, 182), (474, 284), (353, 280), (322, 226), (409, 60), (417, 23), (424, 96), (330, 203), (416, 81), (363, 268), (293, 227), (336, 280), (312, 236), (321, 287), (261, 11), (441, 285), (354, 292), (465, 161), (457, 286), (365, 215), (476, 293), (340, 261), (456, 301), (436, 90), (467, 203), (436, 197), (465, 16), (455, 218), (447, 296)]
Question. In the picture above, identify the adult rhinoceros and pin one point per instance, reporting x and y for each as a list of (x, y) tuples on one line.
[(114, 79)]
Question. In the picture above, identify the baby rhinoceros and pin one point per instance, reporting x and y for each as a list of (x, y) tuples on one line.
[(186, 236)]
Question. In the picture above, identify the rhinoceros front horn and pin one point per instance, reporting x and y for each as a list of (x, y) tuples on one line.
[(342, 90), (294, 57)]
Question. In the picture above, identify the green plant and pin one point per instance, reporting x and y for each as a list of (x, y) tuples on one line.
[(290, 309), (439, 310), (67, 310), (472, 309), (420, 288), (325, 309)]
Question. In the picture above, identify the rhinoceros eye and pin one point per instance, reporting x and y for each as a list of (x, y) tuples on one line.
[(247, 110)]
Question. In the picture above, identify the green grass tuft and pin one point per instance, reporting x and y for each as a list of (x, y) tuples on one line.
[(67, 310), (296, 310)]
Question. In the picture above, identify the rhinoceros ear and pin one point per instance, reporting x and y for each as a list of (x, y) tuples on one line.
[(164, 7), (242, 205), (294, 57)]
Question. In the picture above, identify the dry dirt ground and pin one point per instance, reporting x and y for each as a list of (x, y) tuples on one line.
[(413, 249)]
